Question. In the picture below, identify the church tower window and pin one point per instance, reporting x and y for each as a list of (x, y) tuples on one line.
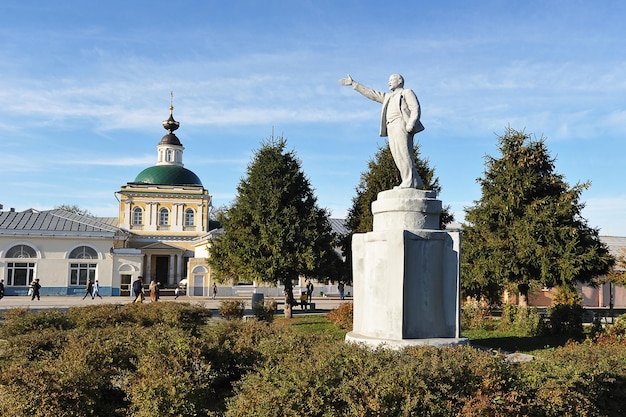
[(164, 217), (137, 216), (190, 217)]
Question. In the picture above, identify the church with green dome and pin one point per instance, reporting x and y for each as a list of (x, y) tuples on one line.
[(160, 234), (166, 209)]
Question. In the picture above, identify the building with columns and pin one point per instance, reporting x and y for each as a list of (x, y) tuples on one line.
[(165, 208), (162, 214)]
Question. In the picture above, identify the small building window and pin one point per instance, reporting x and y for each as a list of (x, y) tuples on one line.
[(137, 216), (189, 217), (81, 273), (83, 252), (20, 273), (164, 216)]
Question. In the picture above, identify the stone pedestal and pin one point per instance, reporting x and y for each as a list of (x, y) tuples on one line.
[(406, 274)]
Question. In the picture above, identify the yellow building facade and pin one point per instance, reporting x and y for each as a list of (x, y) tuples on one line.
[(165, 208)]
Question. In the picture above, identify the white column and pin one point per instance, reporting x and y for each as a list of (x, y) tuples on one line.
[(170, 275), (179, 268), (127, 216), (147, 278)]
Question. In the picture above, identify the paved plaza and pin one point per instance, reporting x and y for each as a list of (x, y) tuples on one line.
[(322, 304)]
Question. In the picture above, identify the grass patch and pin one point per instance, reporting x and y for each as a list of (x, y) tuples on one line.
[(511, 341), (312, 324)]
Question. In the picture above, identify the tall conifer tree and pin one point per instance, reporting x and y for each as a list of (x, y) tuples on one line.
[(274, 231), (527, 227)]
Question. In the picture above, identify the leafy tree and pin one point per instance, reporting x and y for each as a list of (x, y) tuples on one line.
[(527, 227), (74, 209), (382, 175), (274, 231)]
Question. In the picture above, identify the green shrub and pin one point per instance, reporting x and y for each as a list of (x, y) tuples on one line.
[(566, 314), (21, 320), (476, 314), (265, 311), (614, 333), (232, 309), (524, 320), (580, 379), (75, 379), (342, 316), (254, 368), (173, 376), (332, 379)]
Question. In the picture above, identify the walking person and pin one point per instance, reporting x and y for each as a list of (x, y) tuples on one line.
[(35, 286), (96, 290), (214, 290), (1, 289), (309, 291), (341, 288), (176, 292), (153, 291), (138, 289), (88, 290)]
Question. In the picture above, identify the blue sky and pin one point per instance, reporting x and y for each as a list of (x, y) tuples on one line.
[(84, 86)]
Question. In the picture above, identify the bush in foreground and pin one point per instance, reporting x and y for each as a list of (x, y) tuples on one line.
[(342, 316), (235, 368)]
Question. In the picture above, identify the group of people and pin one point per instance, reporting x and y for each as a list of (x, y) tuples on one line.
[(138, 290), (92, 289)]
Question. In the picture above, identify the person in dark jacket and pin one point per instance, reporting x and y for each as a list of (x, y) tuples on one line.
[(138, 289), (36, 287)]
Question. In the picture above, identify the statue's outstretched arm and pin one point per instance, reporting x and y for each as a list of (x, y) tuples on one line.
[(346, 81)]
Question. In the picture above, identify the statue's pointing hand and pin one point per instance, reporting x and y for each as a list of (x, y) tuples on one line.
[(346, 81)]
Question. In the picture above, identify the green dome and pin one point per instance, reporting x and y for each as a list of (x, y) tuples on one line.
[(167, 175)]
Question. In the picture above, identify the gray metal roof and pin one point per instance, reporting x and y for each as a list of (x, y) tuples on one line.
[(55, 221), (339, 226)]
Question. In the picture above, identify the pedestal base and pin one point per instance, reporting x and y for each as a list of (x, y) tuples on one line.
[(406, 275), (373, 342)]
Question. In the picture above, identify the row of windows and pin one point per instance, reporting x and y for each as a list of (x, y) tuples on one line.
[(22, 273), (25, 251), (164, 217)]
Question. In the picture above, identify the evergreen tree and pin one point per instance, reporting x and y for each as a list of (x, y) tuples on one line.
[(527, 227), (274, 231), (382, 174)]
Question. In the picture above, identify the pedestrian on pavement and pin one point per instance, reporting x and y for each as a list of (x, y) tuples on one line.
[(341, 288), (214, 290), (138, 289), (96, 290), (35, 287), (176, 292), (88, 290), (309, 291), (1, 289), (153, 291)]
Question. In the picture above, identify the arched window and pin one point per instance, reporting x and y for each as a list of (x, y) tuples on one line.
[(21, 251), (83, 252), (137, 216), (190, 217), (164, 217), (20, 273), (81, 273)]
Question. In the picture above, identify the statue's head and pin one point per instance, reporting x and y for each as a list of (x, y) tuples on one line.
[(395, 81)]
